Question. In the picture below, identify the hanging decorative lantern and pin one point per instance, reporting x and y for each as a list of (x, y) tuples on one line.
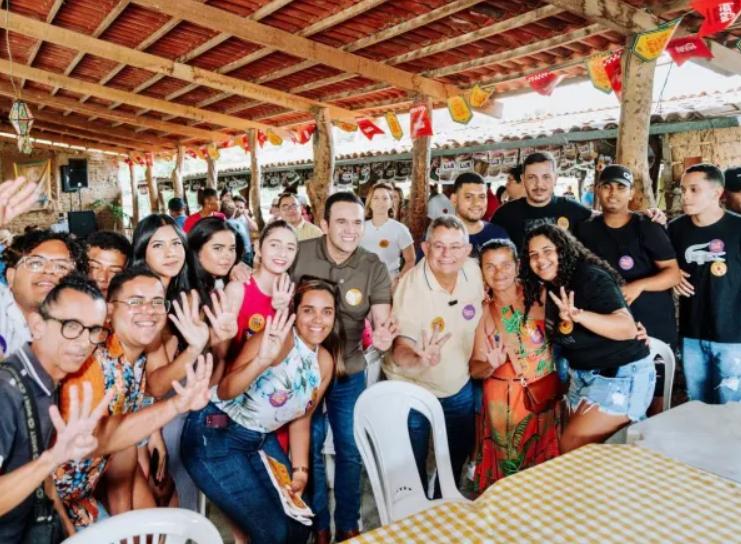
[(22, 120)]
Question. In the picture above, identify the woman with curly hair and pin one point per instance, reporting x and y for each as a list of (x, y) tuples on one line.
[(612, 375)]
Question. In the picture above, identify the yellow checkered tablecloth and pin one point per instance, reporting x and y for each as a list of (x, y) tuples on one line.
[(595, 495)]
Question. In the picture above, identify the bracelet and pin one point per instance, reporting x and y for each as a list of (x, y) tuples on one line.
[(305, 470)]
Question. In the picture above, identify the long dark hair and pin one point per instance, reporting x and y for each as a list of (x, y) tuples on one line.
[(571, 253), (335, 342), (145, 229), (198, 237)]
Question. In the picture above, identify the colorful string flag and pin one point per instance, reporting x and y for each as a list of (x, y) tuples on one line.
[(201, 152), (304, 134), (274, 139), (649, 45), (128, 161), (688, 47), (545, 82), (479, 96), (138, 159), (191, 153), (597, 74), (224, 144), (261, 138), (420, 121), (149, 158), (718, 14), (459, 109), (614, 71), (212, 152), (243, 141), (345, 127), (368, 127), (394, 125)]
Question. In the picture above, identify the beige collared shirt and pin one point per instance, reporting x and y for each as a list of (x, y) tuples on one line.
[(307, 231), (419, 303)]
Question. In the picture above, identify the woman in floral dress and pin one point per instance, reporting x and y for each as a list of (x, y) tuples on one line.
[(514, 438)]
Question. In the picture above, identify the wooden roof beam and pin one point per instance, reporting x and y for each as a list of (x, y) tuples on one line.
[(50, 147), (69, 141), (56, 6), (298, 46), (92, 137)]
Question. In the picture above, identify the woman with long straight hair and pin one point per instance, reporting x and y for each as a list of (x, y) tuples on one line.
[(278, 380), (612, 375)]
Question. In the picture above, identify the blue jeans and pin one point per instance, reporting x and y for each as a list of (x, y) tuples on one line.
[(341, 397), (459, 424), (712, 370), (225, 464)]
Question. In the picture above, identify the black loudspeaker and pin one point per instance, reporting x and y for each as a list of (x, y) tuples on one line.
[(82, 224), (74, 175)]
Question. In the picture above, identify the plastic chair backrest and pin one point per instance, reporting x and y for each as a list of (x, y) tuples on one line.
[(382, 435), (663, 350), (176, 525)]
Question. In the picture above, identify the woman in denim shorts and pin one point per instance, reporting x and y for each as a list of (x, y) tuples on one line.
[(612, 375)]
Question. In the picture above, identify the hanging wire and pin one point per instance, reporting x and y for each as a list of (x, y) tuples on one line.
[(663, 88), (10, 54)]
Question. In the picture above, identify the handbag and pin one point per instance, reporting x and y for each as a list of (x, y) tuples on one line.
[(45, 526), (542, 394)]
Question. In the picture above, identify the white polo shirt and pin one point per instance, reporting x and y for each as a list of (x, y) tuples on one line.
[(387, 241), (419, 303), (14, 331)]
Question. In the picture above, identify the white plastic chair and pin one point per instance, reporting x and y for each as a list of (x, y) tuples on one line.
[(382, 435), (176, 525), (663, 350)]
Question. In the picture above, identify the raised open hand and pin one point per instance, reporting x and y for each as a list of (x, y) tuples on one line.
[(196, 393), (223, 320), (275, 333), (14, 202), (384, 333), (566, 309), (429, 351), (75, 439), (283, 289), (188, 321), (495, 353)]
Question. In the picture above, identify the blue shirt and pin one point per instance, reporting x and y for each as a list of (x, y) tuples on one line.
[(181, 220)]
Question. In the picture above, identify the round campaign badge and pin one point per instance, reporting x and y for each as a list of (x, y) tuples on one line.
[(469, 312), (383, 244), (354, 297), (719, 269), (717, 246), (257, 322), (445, 211), (626, 262), (563, 222), (566, 327), (438, 323)]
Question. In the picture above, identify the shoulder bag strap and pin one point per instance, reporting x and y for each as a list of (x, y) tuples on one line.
[(513, 356)]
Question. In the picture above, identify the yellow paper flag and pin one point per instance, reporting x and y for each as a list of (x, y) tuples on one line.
[(274, 139), (346, 127), (213, 152), (478, 96), (459, 109), (648, 46), (394, 126), (596, 69)]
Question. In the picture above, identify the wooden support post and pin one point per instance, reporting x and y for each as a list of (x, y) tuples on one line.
[(134, 195), (212, 177), (420, 188), (255, 176), (177, 173), (152, 185), (320, 186), (635, 120)]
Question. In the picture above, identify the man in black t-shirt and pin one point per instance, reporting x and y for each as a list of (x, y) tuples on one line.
[(733, 189), (707, 240), (641, 252)]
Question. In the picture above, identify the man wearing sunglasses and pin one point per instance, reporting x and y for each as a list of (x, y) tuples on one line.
[(36, 262)]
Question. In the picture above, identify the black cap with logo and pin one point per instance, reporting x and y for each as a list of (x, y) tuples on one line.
[(733, 179), (617, 173)]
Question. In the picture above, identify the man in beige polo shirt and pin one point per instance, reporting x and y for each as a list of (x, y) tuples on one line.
[(438, 305), (290, 211)]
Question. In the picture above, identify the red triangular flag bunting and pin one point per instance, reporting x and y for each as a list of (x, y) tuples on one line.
[(719, 15), (368, 128), (544, 82), (688, 47), (261, 138), (420, 121), (615, 72)]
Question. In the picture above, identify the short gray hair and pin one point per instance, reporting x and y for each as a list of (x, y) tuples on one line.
[(448, 222)]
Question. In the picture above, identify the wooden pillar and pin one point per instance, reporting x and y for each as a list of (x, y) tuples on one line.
[(177, 173), (134, 195), (635, 120), (320, 186), (255, 177), (152, 185), (212, 177), (420, 188)]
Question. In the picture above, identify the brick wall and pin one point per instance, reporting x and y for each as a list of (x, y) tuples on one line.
[(103, 184)]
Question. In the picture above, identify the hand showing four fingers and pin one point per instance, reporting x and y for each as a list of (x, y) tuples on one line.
[(275, 333)]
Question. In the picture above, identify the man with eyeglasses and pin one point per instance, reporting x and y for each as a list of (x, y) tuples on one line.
[(438, 304), (108, 253), (290, 211), (66, 329), (35, 263)]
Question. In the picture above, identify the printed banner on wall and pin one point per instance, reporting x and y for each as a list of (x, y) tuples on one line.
[(648, 46), (688, 47), (38, 172)]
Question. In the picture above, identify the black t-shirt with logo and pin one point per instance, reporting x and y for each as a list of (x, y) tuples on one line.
[(596, 291), (632, 250), (519, 217), (712, 257)]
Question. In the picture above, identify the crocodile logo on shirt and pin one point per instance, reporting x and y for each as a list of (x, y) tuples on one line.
[(709, 252)]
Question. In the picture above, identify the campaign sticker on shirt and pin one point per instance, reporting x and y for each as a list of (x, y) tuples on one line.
[(469, 312), (383, 244), (354, 297), (438, 322), (719, 269), (257, 322), (566, 327), (626, 262), (563, 222), (717, 246), (445, 211)]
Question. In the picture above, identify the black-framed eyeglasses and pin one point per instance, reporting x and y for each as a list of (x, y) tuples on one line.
[(137, 305), (73, 329)]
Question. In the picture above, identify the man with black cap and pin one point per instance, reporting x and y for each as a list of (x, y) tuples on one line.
[(641, 252), (733, 189)]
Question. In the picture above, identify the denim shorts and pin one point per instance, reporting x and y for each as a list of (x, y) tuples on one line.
[(629, 393)]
